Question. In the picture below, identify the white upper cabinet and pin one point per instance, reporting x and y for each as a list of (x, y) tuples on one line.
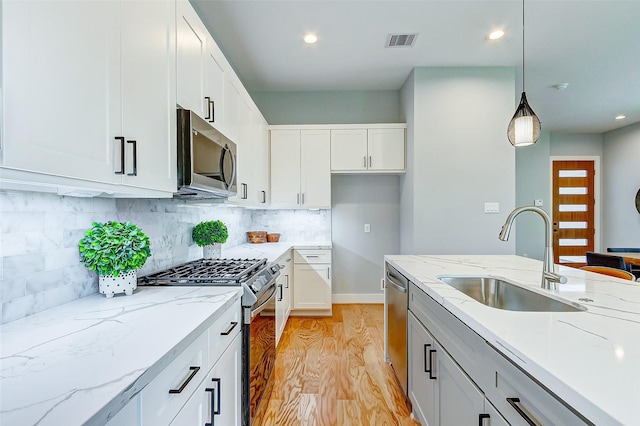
[(147, 95), (360, 150), (300, 168), (89, 94), (59, 65), (191, 56)]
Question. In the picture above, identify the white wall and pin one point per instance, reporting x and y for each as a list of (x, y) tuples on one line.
[(621, 183), (461, 159)]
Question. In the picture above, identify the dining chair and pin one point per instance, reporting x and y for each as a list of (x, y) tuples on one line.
[(599, 259), (613, 272), (635, 270)]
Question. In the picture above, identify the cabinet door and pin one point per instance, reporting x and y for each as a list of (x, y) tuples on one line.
[(422, 388), (217, 399), (285, 168), (191, 45), (261, 172), (460, 402), (386, 149), (349, 150), (280, 308), (247, 193), (60, 66), (315, 167), (232, 108), (313, 287), (214, 75), (148, 95)]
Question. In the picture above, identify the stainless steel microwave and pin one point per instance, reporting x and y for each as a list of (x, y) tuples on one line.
[(206, 159)]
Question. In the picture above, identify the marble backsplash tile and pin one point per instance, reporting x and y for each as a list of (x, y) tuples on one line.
[(39, 234)]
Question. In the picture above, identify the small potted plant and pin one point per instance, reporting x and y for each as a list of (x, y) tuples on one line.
[(114, 251), (210, 235)]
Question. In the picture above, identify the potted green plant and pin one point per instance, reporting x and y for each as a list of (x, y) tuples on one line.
[(210, 235), (114, 251)]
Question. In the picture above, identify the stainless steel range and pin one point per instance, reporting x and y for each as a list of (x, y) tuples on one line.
[(258, 279)]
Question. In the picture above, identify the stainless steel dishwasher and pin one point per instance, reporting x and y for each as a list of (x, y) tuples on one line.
[(396, 304)]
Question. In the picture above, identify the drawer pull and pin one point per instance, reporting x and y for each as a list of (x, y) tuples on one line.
[(431, 376), (214, 402), (194, 371), (481, 418), (426, 369), (514, 403), (311, 255), (228, 330)]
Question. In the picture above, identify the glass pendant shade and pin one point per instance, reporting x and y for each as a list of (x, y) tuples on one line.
[(524, 127)]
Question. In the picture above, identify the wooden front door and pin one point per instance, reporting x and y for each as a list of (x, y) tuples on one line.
[(573, 211)]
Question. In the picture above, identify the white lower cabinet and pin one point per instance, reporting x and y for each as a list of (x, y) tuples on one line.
[(456, 378), (203, 380), (283, 295), (312, 271), (217, 399)]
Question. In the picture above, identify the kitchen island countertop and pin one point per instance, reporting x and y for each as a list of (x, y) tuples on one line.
[(80, 363), (590, 359)]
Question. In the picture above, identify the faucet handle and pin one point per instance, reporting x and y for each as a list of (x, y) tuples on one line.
[(554, 278)]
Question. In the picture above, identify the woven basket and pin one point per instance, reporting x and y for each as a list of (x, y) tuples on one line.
[(257, 237), (273, 238)]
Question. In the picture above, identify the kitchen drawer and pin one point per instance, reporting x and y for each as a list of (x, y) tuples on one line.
[(223, 331), (158, 405), (312, 256), (536, 402)]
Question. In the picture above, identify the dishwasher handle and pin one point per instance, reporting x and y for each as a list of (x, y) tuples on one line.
[(396, 282)]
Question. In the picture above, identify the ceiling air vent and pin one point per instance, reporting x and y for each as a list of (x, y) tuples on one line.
[(401, 40)]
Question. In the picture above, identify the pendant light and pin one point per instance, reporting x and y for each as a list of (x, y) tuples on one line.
[(524, 127)]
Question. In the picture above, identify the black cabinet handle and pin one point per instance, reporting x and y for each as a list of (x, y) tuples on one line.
[(135, 158), (208, 99), (431, 352), (194, 371), (426, 369), (215, 402), (514, 403), (481, 418), (264, 197), (228, 330), (244, 191), (121, 139)]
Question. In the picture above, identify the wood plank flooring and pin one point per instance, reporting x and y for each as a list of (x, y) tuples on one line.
[(331, 371)]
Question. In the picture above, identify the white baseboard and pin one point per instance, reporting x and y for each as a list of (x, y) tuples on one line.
[(341, 299)]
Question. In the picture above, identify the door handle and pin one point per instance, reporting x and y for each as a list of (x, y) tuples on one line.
[(481, 418), (215, 402), (514, 402), (212, 106), (194, 371), (208, 100), (426, 369), (431, 375), (121, 139), (135, 158), (228, 330)]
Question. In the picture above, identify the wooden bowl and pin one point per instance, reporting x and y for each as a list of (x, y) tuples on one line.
[(257, 237), (273, 238)]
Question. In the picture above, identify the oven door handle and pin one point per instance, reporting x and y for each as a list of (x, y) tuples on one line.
[(261, 306)]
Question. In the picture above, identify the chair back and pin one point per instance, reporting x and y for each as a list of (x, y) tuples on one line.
[(623, 250), (613, 272), (598, 259)]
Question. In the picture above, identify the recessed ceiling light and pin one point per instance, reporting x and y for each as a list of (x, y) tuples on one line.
[(310, 38), (495, 35), (620, 117)]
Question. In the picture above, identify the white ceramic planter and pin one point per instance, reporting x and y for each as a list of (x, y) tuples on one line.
[(212, 251), (123, 283)]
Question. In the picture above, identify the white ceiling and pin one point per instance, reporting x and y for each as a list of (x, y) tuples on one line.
[(593, 45)]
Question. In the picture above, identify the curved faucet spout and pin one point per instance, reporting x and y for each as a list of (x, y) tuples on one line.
[(549, 277)]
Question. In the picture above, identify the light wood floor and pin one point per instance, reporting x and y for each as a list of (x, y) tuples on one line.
[(331, 371)]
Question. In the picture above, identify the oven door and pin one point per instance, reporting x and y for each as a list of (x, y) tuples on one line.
[(262, 349)]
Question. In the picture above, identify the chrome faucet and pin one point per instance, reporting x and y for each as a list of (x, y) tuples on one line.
[(550, 279)]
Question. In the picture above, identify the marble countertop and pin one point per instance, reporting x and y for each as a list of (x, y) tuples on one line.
[(589, 359), (271, 251), (86, 359)]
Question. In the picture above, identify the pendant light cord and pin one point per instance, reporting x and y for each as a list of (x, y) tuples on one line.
[(523, 46)]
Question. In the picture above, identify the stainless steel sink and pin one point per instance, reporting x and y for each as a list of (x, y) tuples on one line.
[(502, 294)]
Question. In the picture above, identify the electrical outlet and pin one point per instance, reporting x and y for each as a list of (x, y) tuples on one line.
[(537, 203), (367, 227), (492, 207)]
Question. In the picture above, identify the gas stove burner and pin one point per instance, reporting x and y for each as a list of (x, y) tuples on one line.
[(205, 271)]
